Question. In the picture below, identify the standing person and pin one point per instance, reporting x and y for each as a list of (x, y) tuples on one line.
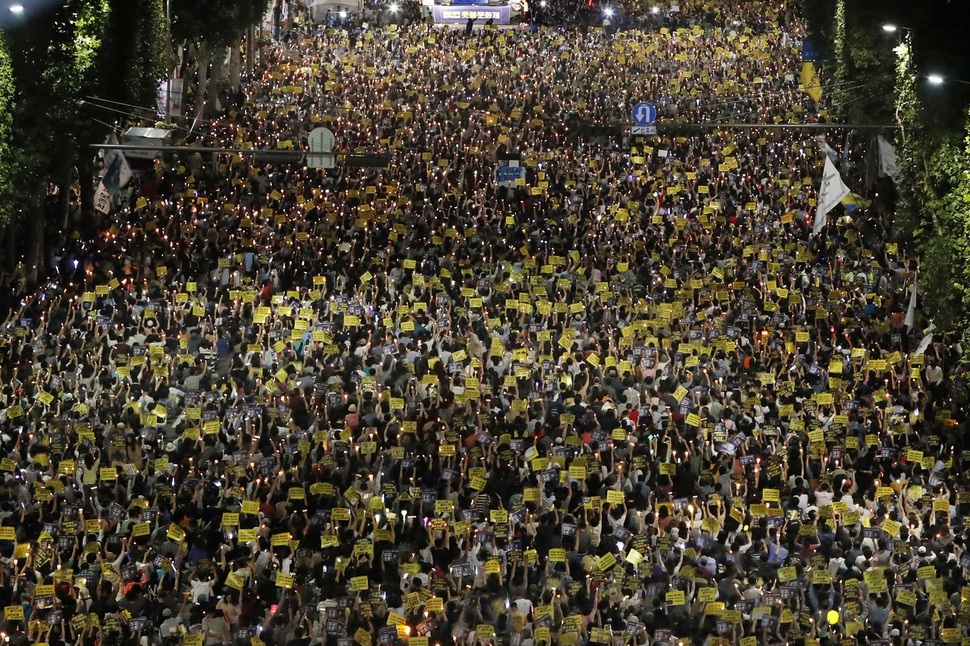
[(215, 627)]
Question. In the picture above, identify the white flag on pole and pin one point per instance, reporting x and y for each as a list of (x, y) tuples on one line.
[(911, 310), (117, 172), (887, 159), (830, 193), (923, 345)]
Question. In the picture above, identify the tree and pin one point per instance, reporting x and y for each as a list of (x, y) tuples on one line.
[(6, 123), (136, 52), (54, 67), (113, 49), (209, 28), (841, 56), (932, 197), (912, 162), (862, 67), (946, 281), (933, 202)]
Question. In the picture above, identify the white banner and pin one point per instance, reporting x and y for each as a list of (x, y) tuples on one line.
[(911, 310), (887, 159), (102, 199), (830, 193)]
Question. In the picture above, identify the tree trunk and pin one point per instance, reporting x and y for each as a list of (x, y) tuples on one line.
[(235, 67), (251, 50), (64, 199), (34, 257), (86, 171), (200, 96), (10, 244)]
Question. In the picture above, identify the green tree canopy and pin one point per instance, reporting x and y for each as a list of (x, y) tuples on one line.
[(216, 23), (6, 121), (136, 53)]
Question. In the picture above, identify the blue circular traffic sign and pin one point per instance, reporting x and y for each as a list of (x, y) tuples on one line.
[(644, 114)]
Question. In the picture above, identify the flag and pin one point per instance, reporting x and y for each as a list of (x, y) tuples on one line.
[(117, 172), (854, 201), (831, 192), (826, 149), (810, 82), (925, 343), (911, 310), (887, 159)]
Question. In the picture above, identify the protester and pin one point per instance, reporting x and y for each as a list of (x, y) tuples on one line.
[(627, 399)]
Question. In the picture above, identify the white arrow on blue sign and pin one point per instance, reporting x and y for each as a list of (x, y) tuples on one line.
[(644, 114)]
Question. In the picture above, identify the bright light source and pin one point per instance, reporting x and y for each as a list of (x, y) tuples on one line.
[(889, 28), (16, 9), (609, 12), (393, 7), (343, 15), (655, 9), (935, 79), (543, 4)]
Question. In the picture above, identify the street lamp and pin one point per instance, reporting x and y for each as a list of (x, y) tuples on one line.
[(889, 29), (17, 9), (937, 79)]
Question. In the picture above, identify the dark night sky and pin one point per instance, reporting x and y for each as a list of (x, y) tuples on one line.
[(31, 8), (939, 30)]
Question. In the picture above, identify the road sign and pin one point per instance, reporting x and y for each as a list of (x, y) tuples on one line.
[(643, 130), (321, 140), (644, 114)]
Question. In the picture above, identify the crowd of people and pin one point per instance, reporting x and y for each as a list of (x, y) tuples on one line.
[(525, 385)]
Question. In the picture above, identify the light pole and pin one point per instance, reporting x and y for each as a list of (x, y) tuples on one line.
[(903, 31), (168, 79)]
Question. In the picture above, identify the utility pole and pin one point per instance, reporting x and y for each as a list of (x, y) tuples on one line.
[(168, 74), (251, 50)]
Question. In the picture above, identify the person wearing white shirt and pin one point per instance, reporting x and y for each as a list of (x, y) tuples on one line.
[(824, 495)]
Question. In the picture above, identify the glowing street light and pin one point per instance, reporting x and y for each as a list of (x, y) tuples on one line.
[(393, 7), (17, 9), (655, 9), (890, 29), (939, 79), (608, 12)]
